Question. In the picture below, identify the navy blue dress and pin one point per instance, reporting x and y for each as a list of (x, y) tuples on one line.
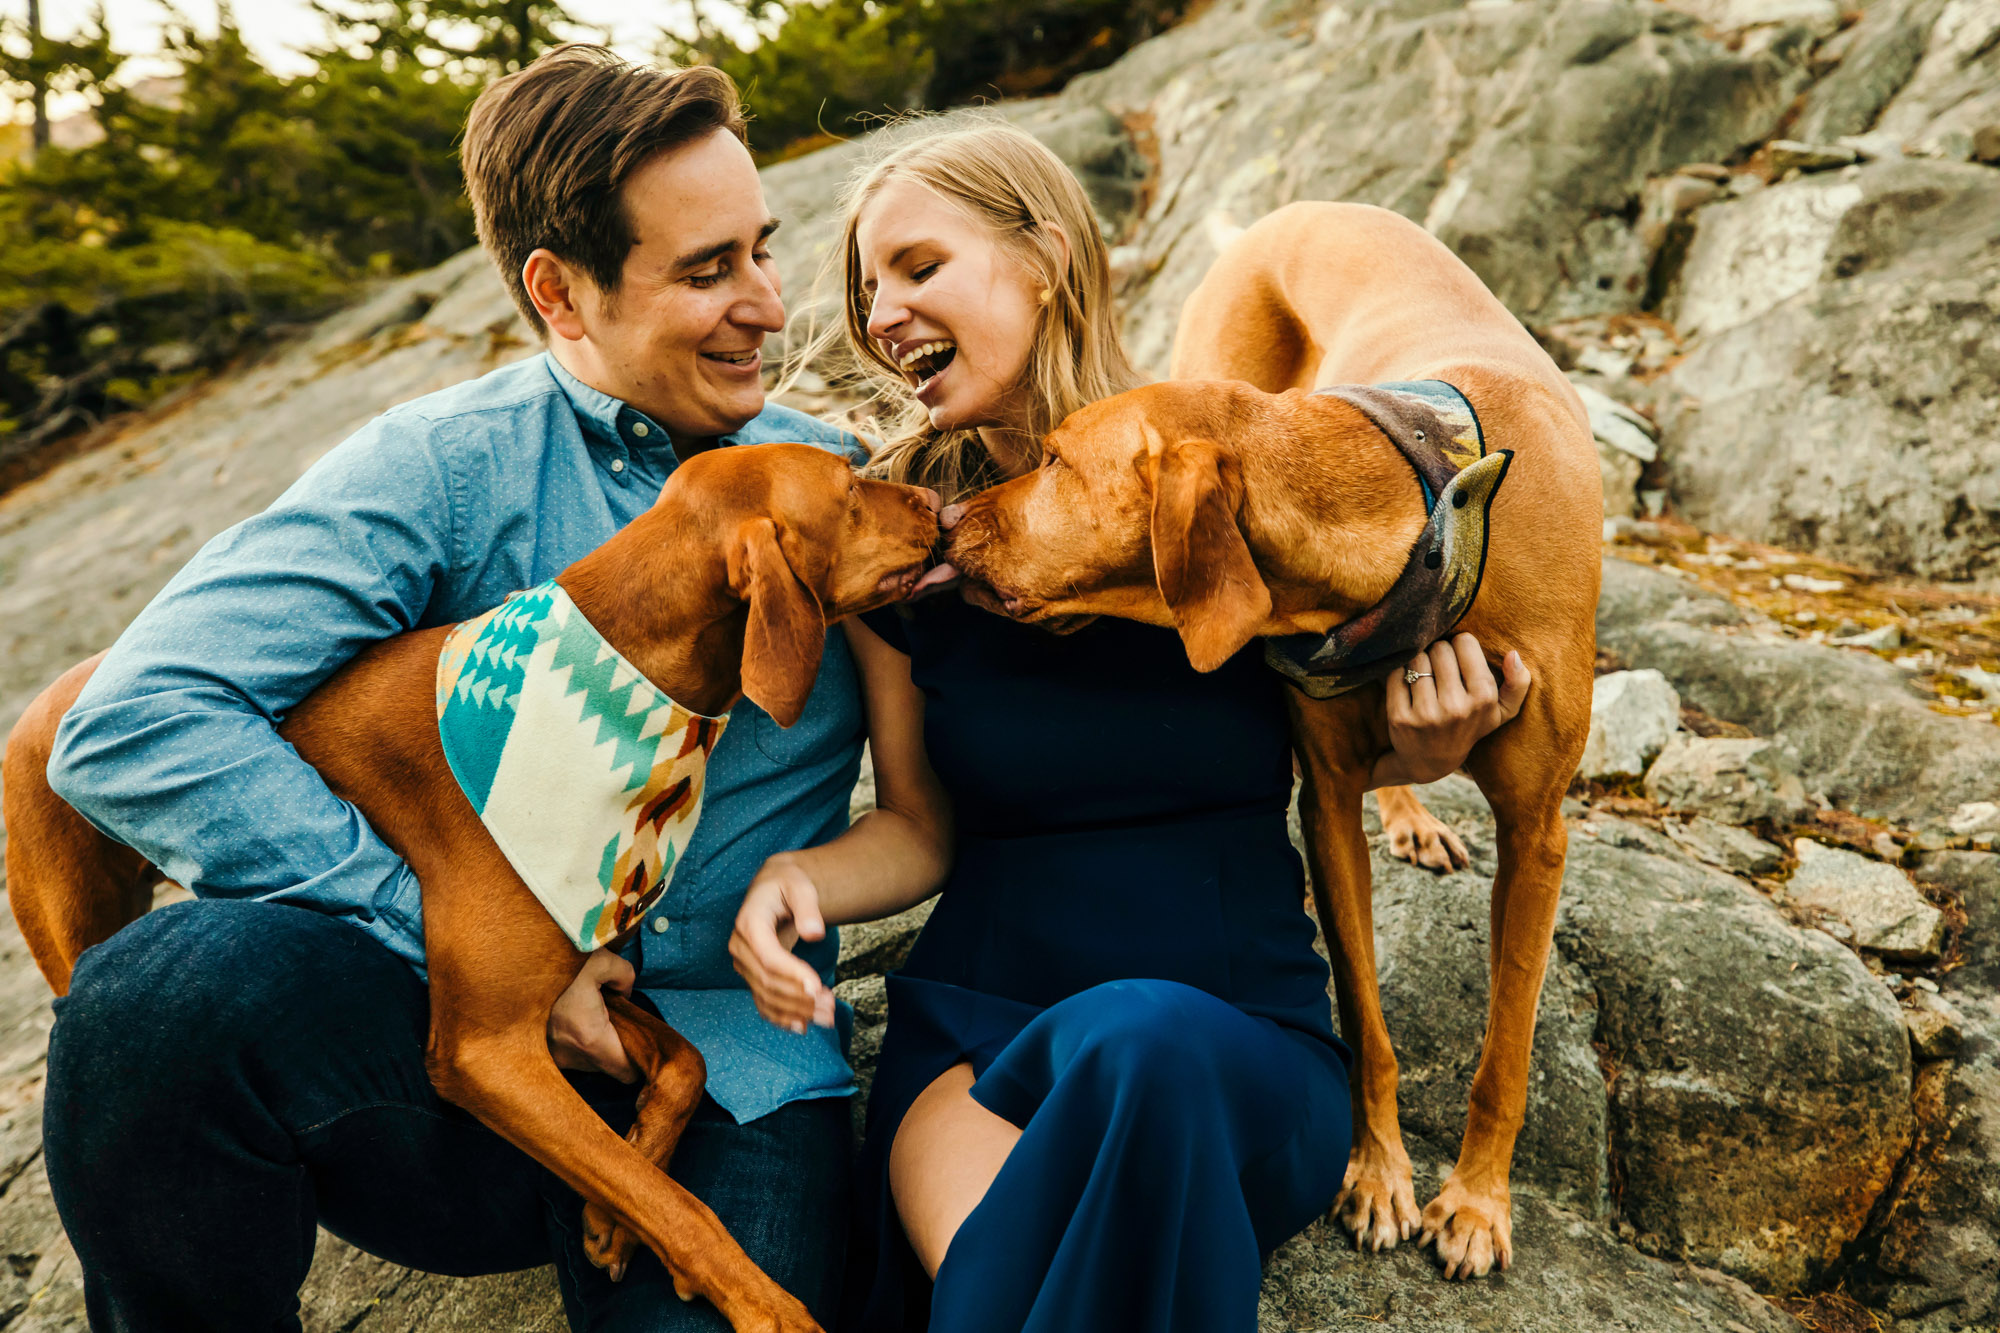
[(1123, 955)]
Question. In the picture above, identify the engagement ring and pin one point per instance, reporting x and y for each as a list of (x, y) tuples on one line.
[(1411, 675)]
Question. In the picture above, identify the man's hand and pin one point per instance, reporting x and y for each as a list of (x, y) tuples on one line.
[(1434, 723), (780, 909), (580, 1031)]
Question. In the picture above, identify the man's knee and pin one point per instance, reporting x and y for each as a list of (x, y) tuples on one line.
[(190, 983)]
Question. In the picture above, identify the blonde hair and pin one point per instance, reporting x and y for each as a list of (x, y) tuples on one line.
[(1007, 179)]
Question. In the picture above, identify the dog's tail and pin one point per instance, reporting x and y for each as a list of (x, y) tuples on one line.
[(69, 885)]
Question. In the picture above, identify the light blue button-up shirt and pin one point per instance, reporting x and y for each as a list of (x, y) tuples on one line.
[(433, 513)]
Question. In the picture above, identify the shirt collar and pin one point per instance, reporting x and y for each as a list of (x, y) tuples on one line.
[(609, 421)]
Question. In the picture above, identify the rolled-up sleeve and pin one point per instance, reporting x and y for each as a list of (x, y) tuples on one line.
[(173, 746)]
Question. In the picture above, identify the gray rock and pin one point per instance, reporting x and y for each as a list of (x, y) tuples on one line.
[(1759, 1074), (1570, 1274), (1789, 155), (1974, 818), (1842, 322), (1857, 730), (1725, 846), (1887, 44), (1737, 781), (1617, 426), (1431, 953), (1820, 17), (1936, 1265), (1973, 878), (874, 947), (1632, 713), (1626, 441), (1882, 639), (1937, 1269), (1417, 108), (1876, 901), (1936, 1027), (1753, 254), (1954, 91)]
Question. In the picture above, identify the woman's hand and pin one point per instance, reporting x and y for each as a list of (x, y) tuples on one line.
[(1434, 723), (780, 909), (580, 1031)]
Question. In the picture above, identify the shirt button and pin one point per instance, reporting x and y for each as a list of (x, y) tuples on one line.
[(659, 925), (641, 429), (617, 465)]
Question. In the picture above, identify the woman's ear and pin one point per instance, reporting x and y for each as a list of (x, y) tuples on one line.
[(786, 629), (552, 287), (1059, 242), (1206, 574)]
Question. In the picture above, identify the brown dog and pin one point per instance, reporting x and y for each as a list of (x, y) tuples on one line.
[(1231, 510), (723, 589)]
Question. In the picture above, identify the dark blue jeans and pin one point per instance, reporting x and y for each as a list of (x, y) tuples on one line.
[(225, 1076)]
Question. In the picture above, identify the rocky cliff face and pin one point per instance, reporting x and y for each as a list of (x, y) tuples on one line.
[(1764, 235)]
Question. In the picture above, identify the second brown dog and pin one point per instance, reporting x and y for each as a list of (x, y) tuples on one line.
[(1245, 504)]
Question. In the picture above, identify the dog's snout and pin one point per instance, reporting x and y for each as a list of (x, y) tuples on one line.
[(932, 500), (948, 516)]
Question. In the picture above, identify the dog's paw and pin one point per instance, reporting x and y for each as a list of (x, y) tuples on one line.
[(780, 1316), (1473, 1230), (1422, 839), (607, 1242), (1377, 1203)]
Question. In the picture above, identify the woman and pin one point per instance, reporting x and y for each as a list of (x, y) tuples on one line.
[(1109, 1084)]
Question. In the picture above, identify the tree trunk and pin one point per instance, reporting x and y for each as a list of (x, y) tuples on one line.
[(41, 92)]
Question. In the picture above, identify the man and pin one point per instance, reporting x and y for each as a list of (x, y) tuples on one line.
[(227, 1074)]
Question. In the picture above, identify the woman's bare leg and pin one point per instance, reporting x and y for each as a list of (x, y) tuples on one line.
[(946, 1153)]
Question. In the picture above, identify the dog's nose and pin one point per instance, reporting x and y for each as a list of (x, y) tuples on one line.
[(948, 519), (931, 498)]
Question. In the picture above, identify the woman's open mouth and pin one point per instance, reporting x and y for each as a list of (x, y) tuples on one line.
[(922, 364)]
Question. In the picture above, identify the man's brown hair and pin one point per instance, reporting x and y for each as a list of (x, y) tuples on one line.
[(548, 149)]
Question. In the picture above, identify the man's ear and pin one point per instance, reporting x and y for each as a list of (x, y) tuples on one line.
[(551, 285), (786, 629), (1210, 583)]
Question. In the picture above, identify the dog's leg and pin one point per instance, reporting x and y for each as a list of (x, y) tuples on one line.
[(1418, 836), (674, 1075), (69, 885), (497, 964), (1336, 748), (1522, 768)]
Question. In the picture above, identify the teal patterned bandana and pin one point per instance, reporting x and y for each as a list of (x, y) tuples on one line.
[(589, 779)]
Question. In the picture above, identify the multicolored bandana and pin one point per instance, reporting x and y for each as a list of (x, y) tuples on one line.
[(1434, 427), (588, 778)]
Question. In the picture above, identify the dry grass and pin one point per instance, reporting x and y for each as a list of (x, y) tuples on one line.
[(1830, 1312), (1949, 636)]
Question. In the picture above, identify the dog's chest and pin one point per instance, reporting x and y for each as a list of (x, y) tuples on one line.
[(588, 778)]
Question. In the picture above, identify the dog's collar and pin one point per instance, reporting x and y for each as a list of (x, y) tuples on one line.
[(589, 779), (1435, 428)]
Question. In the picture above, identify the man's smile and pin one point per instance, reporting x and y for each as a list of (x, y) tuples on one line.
[(746, 362)]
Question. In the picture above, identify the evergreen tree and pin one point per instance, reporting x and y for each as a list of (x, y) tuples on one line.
[(129, 265)]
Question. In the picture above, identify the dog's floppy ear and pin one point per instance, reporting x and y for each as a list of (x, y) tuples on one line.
[(786, 629), (1210, 583)]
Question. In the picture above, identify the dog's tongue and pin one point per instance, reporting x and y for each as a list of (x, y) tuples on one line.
[(937, 578)]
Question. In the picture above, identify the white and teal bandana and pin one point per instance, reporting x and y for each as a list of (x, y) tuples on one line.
[(588, 778)]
